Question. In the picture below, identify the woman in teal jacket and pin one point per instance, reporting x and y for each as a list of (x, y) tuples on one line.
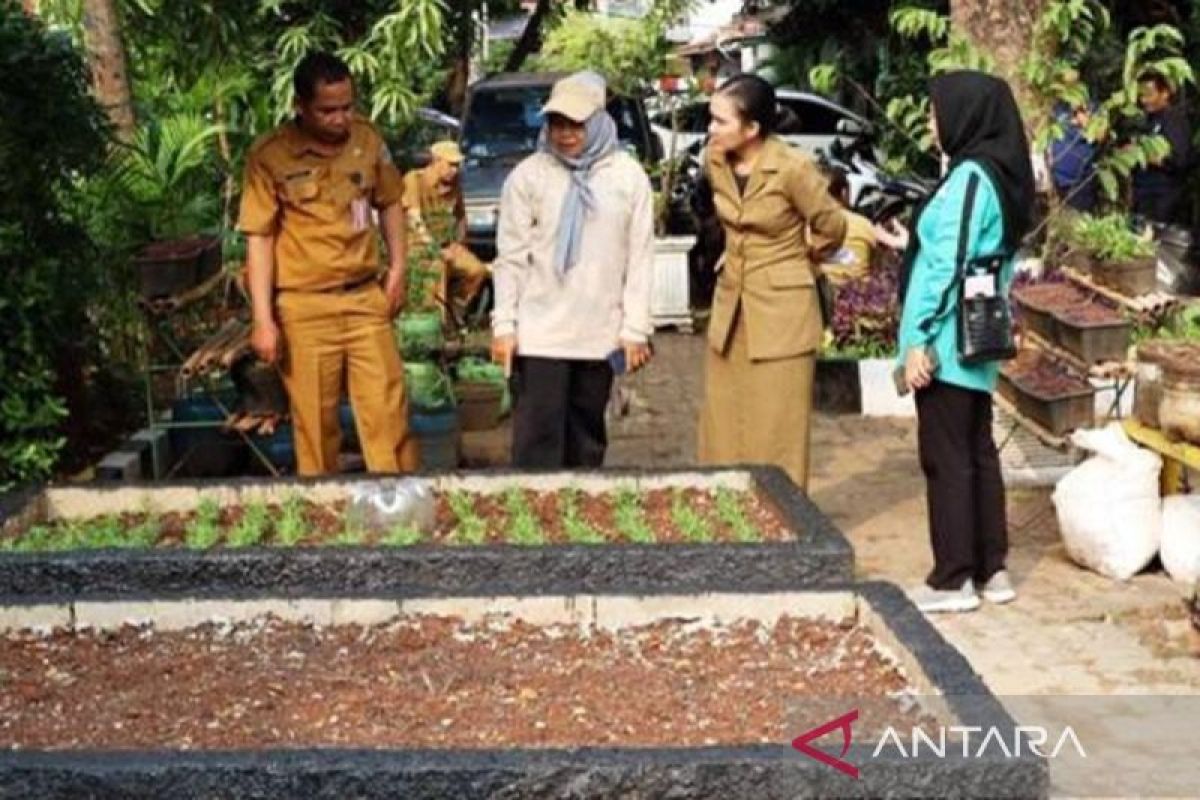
[(982, 208)]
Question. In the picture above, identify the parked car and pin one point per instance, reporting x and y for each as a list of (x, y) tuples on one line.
[(411, 149), (500, 128), (816, 125)]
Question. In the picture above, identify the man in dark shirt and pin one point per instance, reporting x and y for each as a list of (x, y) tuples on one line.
[(1158, 190)]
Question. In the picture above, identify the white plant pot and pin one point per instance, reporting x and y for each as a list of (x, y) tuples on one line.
[(670, 302)]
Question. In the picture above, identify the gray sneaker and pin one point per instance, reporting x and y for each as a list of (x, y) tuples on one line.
[(999, 589), (933, 601)]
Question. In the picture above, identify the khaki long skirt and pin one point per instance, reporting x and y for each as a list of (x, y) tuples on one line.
[(757, 412)]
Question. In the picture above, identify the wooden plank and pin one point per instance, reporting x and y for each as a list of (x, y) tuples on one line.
[(1043, 435), (1184, 452), (1105, 370), (1154, 304)]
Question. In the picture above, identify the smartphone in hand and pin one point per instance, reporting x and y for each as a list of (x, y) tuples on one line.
[(616, 360)]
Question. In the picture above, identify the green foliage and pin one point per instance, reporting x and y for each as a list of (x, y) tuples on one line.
[(469, 527), (524, 528), (253, 527), (402, 536), (204, 530), (732, 512), (578, 529), (630, 53), (631, 518), (352, 535), (1109, 238), (51, 135), (951, 50), (291, 527), (692, 525)]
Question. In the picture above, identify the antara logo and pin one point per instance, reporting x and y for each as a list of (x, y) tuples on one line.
[(992, 743)]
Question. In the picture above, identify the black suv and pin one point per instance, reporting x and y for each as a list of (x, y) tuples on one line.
[(500, 128)]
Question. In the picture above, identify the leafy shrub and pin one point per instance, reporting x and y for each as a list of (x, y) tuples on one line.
[(52, 135)]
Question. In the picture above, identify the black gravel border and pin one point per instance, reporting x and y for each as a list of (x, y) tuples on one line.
[(820, 556), (771, 772)]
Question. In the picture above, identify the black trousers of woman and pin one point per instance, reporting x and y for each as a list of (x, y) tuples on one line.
[(968, 525), (558, 412)]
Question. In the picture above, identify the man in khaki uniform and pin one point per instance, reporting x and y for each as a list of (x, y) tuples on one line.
[(312, 267), (437, 218)]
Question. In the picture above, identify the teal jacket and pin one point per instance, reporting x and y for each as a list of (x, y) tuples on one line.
[(930, 313)]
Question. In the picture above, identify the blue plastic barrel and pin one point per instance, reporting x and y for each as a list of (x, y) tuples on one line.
[(437, 431)]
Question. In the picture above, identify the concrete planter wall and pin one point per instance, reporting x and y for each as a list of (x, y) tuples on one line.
[(819, 556), (860, 386), (719, 773)]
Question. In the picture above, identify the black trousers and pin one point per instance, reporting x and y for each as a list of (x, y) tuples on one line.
[(968, 525), (1159, 203), (558, 412)]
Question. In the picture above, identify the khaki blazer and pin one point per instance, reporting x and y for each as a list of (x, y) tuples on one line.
[(774, 233)]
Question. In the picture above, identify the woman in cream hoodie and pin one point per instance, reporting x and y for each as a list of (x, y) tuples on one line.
[(572, 274)]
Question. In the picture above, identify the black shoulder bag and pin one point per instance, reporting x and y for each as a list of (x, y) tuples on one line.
[(985, 329)]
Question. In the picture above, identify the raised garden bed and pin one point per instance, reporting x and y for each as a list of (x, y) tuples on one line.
[(1094, 332), (1047, 392), (427, 707), (1132, 278), (515, 533)]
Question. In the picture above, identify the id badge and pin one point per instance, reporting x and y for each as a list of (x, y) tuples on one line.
[(979, 286), (360, 214)]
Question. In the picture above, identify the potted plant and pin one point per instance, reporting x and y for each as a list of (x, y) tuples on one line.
[(1119, 257)]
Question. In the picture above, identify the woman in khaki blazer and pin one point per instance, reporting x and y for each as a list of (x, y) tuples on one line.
[(765, 326)]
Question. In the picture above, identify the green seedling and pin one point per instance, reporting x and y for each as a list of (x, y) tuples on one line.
[(693, 526), (578, 530), (523, 525), (402, 536), (469, 527), (351, 536), (291, 526), (204, 531), (252, 527), (733, 513), (145, 533), (631, 518)]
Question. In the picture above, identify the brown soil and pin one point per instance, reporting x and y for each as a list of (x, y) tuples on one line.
[(325, 523), (1039, 374), (1088, 314), (437, 682), (1048, 297)]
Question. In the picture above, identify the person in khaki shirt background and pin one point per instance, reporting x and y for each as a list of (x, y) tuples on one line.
[(433, 204), (313, 271), (765, 328)]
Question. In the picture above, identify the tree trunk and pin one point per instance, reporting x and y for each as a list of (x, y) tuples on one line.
[(1001, 28), (460, 68), (531, 38), (106, 57)]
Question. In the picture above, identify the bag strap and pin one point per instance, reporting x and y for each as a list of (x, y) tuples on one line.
[(960, 263)]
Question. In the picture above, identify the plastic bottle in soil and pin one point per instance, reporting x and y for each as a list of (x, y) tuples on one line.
[(384, 505)]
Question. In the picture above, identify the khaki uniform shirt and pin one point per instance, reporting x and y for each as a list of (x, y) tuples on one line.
[(317, 206), (775, 232), (440, 214)]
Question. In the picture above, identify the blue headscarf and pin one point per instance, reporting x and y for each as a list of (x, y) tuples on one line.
[(601, 139)]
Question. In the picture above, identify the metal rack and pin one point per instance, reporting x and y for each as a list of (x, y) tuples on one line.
[(162, 315)]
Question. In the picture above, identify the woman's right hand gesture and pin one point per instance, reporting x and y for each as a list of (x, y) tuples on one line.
[(892, 235)]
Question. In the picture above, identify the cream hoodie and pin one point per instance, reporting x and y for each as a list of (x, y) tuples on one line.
[(605, 297)]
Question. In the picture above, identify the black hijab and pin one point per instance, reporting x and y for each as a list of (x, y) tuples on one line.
[(978, 120)]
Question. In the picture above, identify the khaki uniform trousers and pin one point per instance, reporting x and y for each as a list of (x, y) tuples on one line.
[(460, 280), (757, 412), (332, 338)]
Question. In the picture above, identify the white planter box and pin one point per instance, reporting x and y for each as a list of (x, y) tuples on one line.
[(670, 303), (879, 397)]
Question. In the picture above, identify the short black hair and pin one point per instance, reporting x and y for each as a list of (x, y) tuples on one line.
[(1158, 79), (754, 99), (319, 66)]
